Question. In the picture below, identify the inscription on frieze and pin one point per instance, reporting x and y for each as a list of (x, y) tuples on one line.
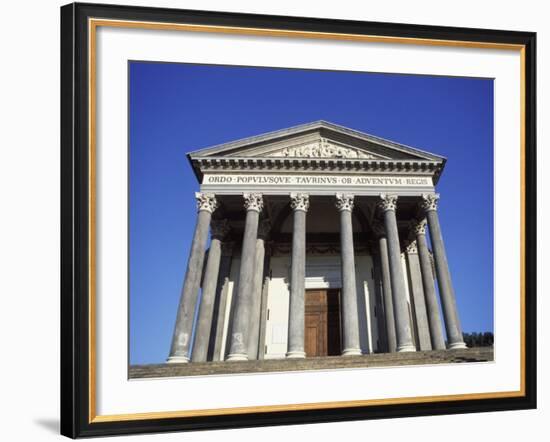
[(316, 180)]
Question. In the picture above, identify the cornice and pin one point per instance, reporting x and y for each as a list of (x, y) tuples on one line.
[(203, 165)]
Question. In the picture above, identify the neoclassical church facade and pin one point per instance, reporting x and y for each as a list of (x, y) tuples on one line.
[(312, 241)]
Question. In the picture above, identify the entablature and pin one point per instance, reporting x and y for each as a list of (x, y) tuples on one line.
[(273, 165)]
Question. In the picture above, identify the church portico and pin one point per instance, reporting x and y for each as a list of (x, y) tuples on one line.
[(324, 233)]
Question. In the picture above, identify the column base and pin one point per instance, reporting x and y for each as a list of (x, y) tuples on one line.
[(457, 345), (237, 357), (352, 352), (406, 348), (177, 360), (296, 354)]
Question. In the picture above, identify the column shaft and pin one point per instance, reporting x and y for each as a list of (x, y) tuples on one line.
[(220, 306), (432, 307), (350, 316), (238, 350), (446, 291), (254, 336), (206, 307), (296, 319), (382, 341), (181, 339), (263, 314), (416, 291), (387, 295), (400, 305)]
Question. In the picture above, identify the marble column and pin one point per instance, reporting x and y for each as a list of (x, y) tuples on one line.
[(348, 299), (299, 202), (416, 292), (432, 307), (206, 308), (263, 319), (389, 317), (238, 349), (181, 339), (382, 339), (254, 336), (220, 306), (446, 291), (403, 328), (263, 304)]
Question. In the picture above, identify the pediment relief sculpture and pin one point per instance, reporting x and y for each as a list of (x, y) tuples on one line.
[(321, 149)]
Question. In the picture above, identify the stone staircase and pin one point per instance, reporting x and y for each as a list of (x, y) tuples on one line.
[(477, 354)]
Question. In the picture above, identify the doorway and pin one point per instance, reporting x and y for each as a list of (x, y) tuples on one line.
[(322, 323)]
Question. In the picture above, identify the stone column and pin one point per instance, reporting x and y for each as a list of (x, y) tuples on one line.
[(220, 306), (386, 287), (238, 350), (350, 316), (254, 336), (432, 307), (181, 339), (382, 341), (416, 291), (263, 305), (206, 308), (299, 202), (403, 329), (446, 292)]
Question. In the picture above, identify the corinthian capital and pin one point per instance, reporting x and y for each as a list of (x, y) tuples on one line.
[(299, 201), (419, 227), (253, 201), (344, 201), (429, 201), (206, 201), (411, 247), (387, 202), (219, 228)]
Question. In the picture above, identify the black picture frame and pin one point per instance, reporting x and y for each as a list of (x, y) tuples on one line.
[(75, 221)]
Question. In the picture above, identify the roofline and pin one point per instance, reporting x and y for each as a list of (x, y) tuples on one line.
[(198, 174), (319, 124), (260, 137)]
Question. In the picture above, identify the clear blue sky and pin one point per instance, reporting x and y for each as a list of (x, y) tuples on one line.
[(177, 108)]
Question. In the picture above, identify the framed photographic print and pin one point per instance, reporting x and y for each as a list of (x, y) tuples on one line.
[(274, 220)]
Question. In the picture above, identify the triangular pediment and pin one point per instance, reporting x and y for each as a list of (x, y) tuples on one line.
[(316, 140)]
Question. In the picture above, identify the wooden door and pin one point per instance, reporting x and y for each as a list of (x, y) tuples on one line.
[(322, 327)]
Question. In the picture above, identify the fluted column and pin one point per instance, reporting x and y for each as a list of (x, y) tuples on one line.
[(432, 307), (222, 293), (403, 329), (416, 293), (181, 339), (382, 339), (446, 291), (263, 303), (206, 308), (389, 317), (254, 336), (299, 202), (350, 317), (238, 350)]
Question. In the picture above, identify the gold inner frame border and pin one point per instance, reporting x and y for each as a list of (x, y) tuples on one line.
[(93, 24)]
